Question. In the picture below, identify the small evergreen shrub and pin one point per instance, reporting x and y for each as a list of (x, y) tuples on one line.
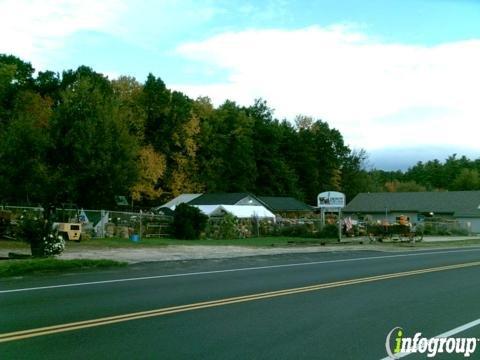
[(188, 222)]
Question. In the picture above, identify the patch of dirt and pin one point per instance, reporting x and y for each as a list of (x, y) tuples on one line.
[(185, 252)]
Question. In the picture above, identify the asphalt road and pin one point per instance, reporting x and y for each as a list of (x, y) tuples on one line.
[(338, 305)]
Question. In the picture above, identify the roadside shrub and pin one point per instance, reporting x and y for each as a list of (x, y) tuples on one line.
[(295, 231), (329, 231), (38, 232), (459, 232), (266, 227), (228, 227), (440, 229), (188, 222), (428, 229), (225, 228)]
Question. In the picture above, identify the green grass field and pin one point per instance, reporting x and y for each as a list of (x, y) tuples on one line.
[(150, 242), (250, 242)]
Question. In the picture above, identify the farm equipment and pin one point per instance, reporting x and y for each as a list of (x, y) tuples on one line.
[(67, 223), (402, 230), (69, 231)]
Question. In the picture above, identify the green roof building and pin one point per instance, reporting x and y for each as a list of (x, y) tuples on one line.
[(287, 207), (463, 206)]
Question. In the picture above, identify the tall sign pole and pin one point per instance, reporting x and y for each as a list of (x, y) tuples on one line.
[(332, 201), (339, 225)]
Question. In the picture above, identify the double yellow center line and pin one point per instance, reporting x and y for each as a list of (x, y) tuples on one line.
[(48, 330)]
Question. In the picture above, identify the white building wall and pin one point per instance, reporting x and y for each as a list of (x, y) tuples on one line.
[(473, 222)]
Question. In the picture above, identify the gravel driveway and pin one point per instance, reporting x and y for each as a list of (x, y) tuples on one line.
[(185, 252)]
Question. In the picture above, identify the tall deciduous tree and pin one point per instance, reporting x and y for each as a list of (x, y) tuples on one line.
[(227, 152), (95, 154), (467, 179), (274, 175), (23, 150)]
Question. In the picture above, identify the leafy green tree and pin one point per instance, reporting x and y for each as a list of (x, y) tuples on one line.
[(128, 93), (155, 99), (23, 151), (227, 152), (23, 74), (466, 180), (355, 178), (316, 153), (274, 175), (95, 155), (48, 84), (15, 76)]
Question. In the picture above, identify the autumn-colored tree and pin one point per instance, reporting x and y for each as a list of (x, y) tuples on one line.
[(407, 186), (182, 152), (151, 167)]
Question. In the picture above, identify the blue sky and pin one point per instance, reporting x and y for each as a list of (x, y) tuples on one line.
[(397, 78)]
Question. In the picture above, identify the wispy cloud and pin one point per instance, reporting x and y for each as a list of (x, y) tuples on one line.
[(32, 28), (366, 88)]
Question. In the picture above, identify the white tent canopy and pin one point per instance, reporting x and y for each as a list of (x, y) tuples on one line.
[(184, 198), (239, 211)]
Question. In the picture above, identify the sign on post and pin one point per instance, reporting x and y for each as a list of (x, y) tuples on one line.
[(331, 200)]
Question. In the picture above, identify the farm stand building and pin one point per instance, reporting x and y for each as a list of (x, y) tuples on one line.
[(462, 206), (243, 205), (287, 207)]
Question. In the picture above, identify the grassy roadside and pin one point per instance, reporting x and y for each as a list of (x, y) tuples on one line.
[(30, 266), (250, 242), (269, 241), (151, 242), (115, 243)]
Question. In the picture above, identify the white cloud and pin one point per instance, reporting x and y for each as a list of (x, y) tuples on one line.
[(32, 28), (368, 89)]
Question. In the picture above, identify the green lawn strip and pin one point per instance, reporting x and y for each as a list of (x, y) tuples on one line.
[(269, 241), (151, 242), (29, 266)]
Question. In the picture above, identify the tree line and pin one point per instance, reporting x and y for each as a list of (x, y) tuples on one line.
[(453, 174), (80, 137)]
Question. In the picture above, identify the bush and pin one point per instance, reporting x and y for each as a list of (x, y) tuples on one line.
[(459, 232), (295, 231), (440, 229), (225, 228), (329, 231), (38, 232), (188, 222)]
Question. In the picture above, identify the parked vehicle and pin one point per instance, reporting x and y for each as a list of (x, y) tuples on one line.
[(69, 231)]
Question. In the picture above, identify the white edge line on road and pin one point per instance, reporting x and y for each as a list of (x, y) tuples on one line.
[(234, 270), (447, 334)]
